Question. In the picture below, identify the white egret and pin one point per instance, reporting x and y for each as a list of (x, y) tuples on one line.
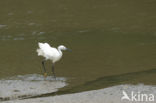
[(50, 53)]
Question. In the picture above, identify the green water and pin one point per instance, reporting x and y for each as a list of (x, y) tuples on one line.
[(107, 38)]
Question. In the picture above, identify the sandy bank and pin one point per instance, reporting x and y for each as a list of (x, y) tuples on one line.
[(106, 95), (23, 86)]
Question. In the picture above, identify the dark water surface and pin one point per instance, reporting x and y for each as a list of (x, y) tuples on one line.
[(107, 38)]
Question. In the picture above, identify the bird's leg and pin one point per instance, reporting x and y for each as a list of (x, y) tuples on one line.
[(45, 72), (53, 71)]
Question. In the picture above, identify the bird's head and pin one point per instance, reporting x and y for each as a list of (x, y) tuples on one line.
[(62, 47)]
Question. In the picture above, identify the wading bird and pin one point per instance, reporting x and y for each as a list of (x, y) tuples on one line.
[(50, 53)]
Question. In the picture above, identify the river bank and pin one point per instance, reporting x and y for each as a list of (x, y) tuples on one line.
[(107, 95)]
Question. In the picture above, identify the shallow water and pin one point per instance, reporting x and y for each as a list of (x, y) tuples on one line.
[(107, 38)]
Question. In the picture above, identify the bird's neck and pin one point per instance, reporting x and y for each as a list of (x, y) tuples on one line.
[(59, 50)]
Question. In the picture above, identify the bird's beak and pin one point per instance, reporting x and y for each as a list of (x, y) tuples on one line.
[(68, 49)]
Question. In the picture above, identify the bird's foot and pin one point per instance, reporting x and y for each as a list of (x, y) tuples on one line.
[(45, 75)]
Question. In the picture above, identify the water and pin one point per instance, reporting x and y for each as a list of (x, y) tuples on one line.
[(107, 38)]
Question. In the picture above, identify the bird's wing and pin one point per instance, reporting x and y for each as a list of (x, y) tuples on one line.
[(44, 45), (47, 50)]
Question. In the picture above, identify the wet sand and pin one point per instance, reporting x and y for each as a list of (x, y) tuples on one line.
[(106, 95), (24, 86)]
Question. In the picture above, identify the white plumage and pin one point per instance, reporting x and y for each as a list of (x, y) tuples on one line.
[(50, 53)]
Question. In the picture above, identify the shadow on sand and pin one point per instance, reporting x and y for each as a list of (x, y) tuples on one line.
[(103, 82)]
